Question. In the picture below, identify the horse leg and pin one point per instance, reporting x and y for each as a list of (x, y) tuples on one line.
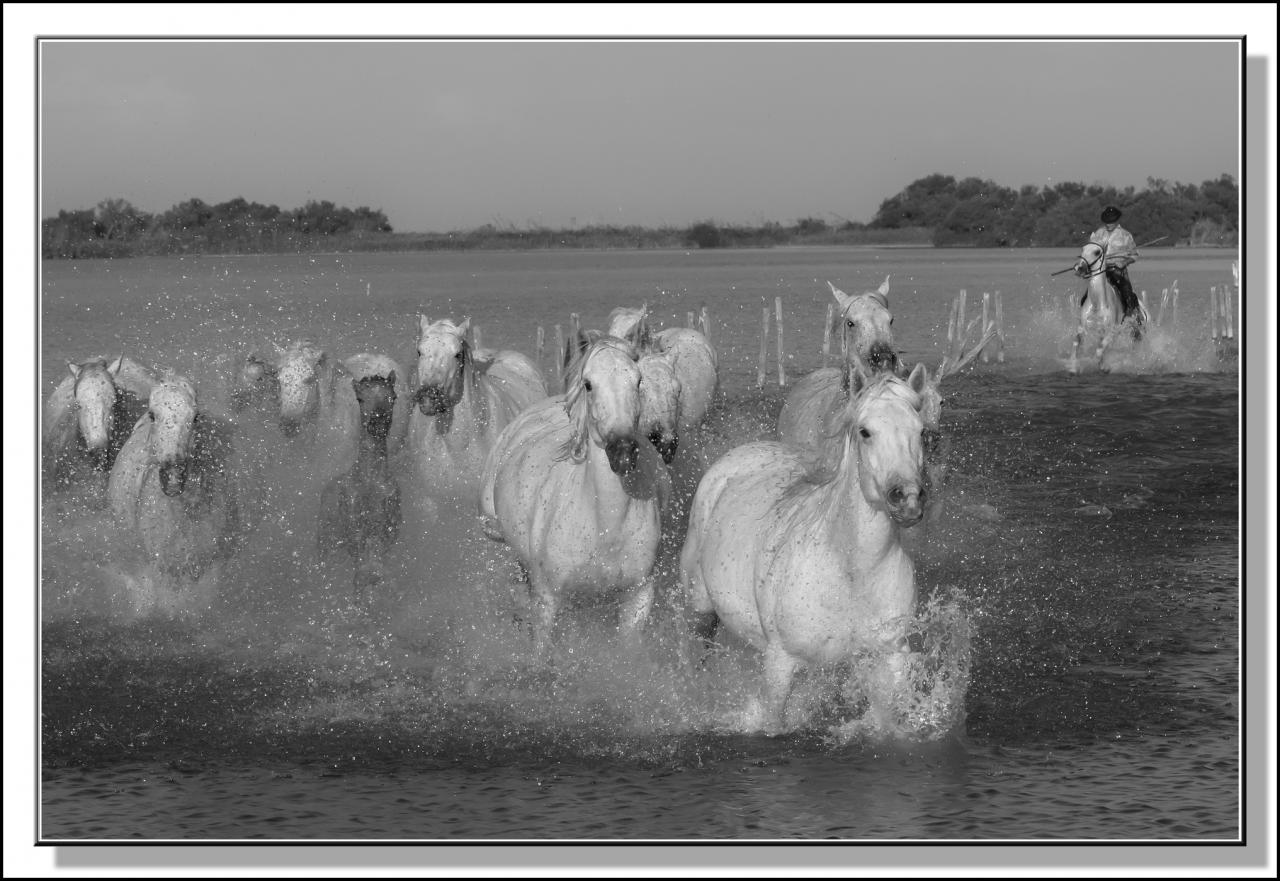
[(544, 617), (635, 610), (779, 670)]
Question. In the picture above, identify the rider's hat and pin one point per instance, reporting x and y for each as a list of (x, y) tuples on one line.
[(1110, 214)]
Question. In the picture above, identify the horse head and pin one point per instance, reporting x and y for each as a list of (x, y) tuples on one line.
[(94, 398), (299, 369), (886, 426), (172, 412), (377, 398), (603, 404), (660, 404), (866, 327), (257, 378), (631, 324), (444, 353)]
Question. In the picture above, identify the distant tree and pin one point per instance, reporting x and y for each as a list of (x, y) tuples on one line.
[(704, 234)]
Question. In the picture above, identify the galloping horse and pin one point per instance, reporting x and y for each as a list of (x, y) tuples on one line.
[(360, 511), (1101, 311), (177, 490), (577, 491), (318, 406), (812, 408), (806, 564), (90, 414), (464, 399)]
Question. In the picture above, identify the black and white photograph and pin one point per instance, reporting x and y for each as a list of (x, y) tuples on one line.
[(438, 433)]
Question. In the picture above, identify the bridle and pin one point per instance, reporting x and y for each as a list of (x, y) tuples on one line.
[(1100, 263)]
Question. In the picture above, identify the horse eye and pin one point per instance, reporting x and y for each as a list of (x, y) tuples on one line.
[(866, 435), (891, 322), (151, 416), (586, 384), (849, 323), (461, 356)]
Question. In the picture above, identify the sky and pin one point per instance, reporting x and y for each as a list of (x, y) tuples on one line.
[(444, 135)]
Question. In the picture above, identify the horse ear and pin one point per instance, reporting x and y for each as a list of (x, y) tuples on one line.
[(883, 290), (423, 322), (465, 326), (841, 297), (73, 369), (391, 378), (115, 368), (919, 378)]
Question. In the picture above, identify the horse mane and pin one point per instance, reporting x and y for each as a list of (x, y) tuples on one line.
[(638, 333), (849, 416), (574, 448)]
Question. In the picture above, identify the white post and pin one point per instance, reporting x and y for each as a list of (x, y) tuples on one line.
[(764, 344), (986, 305), (999, 328), (782, 371)]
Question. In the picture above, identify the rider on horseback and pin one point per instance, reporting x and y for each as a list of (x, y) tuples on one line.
[(1119, 250)]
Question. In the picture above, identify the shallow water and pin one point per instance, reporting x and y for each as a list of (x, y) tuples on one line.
[(1085, 564)]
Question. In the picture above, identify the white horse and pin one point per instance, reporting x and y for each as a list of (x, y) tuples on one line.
[(360, 510), (692, 358), (814, 404), (177, 490), (90, 414), (464, 399), (806, 565), (1101, 312), (318, 406), (577, 492)]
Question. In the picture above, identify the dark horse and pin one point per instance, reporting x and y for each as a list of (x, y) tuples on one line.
[(360, 510)]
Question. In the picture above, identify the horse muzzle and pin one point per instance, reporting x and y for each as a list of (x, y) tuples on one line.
[(882, 358), (432, 400), (378, 424), (173, 478), (98, 457), (623, 455), (906, 504), (290, 427), (665, 444)]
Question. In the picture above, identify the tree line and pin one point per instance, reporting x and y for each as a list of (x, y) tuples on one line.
[(935, 210), (115, 228), (981, 213)]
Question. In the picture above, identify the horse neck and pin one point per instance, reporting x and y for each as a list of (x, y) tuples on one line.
[(474, 404), (604, 488), (865, 532), (371, 455)]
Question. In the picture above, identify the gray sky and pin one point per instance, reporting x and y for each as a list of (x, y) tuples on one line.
[(450, 135)]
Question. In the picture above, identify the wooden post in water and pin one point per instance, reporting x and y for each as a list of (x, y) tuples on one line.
[(826, 334), (1213, 314), (1164, 304), (1228, 313), (764, 344), (1173, 303), (542, 344), (999, 328), (986, 306), (575, 327), (475, 335), (559, 356), (782, 370), (689, 320), (704, 323), (368, 288)]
